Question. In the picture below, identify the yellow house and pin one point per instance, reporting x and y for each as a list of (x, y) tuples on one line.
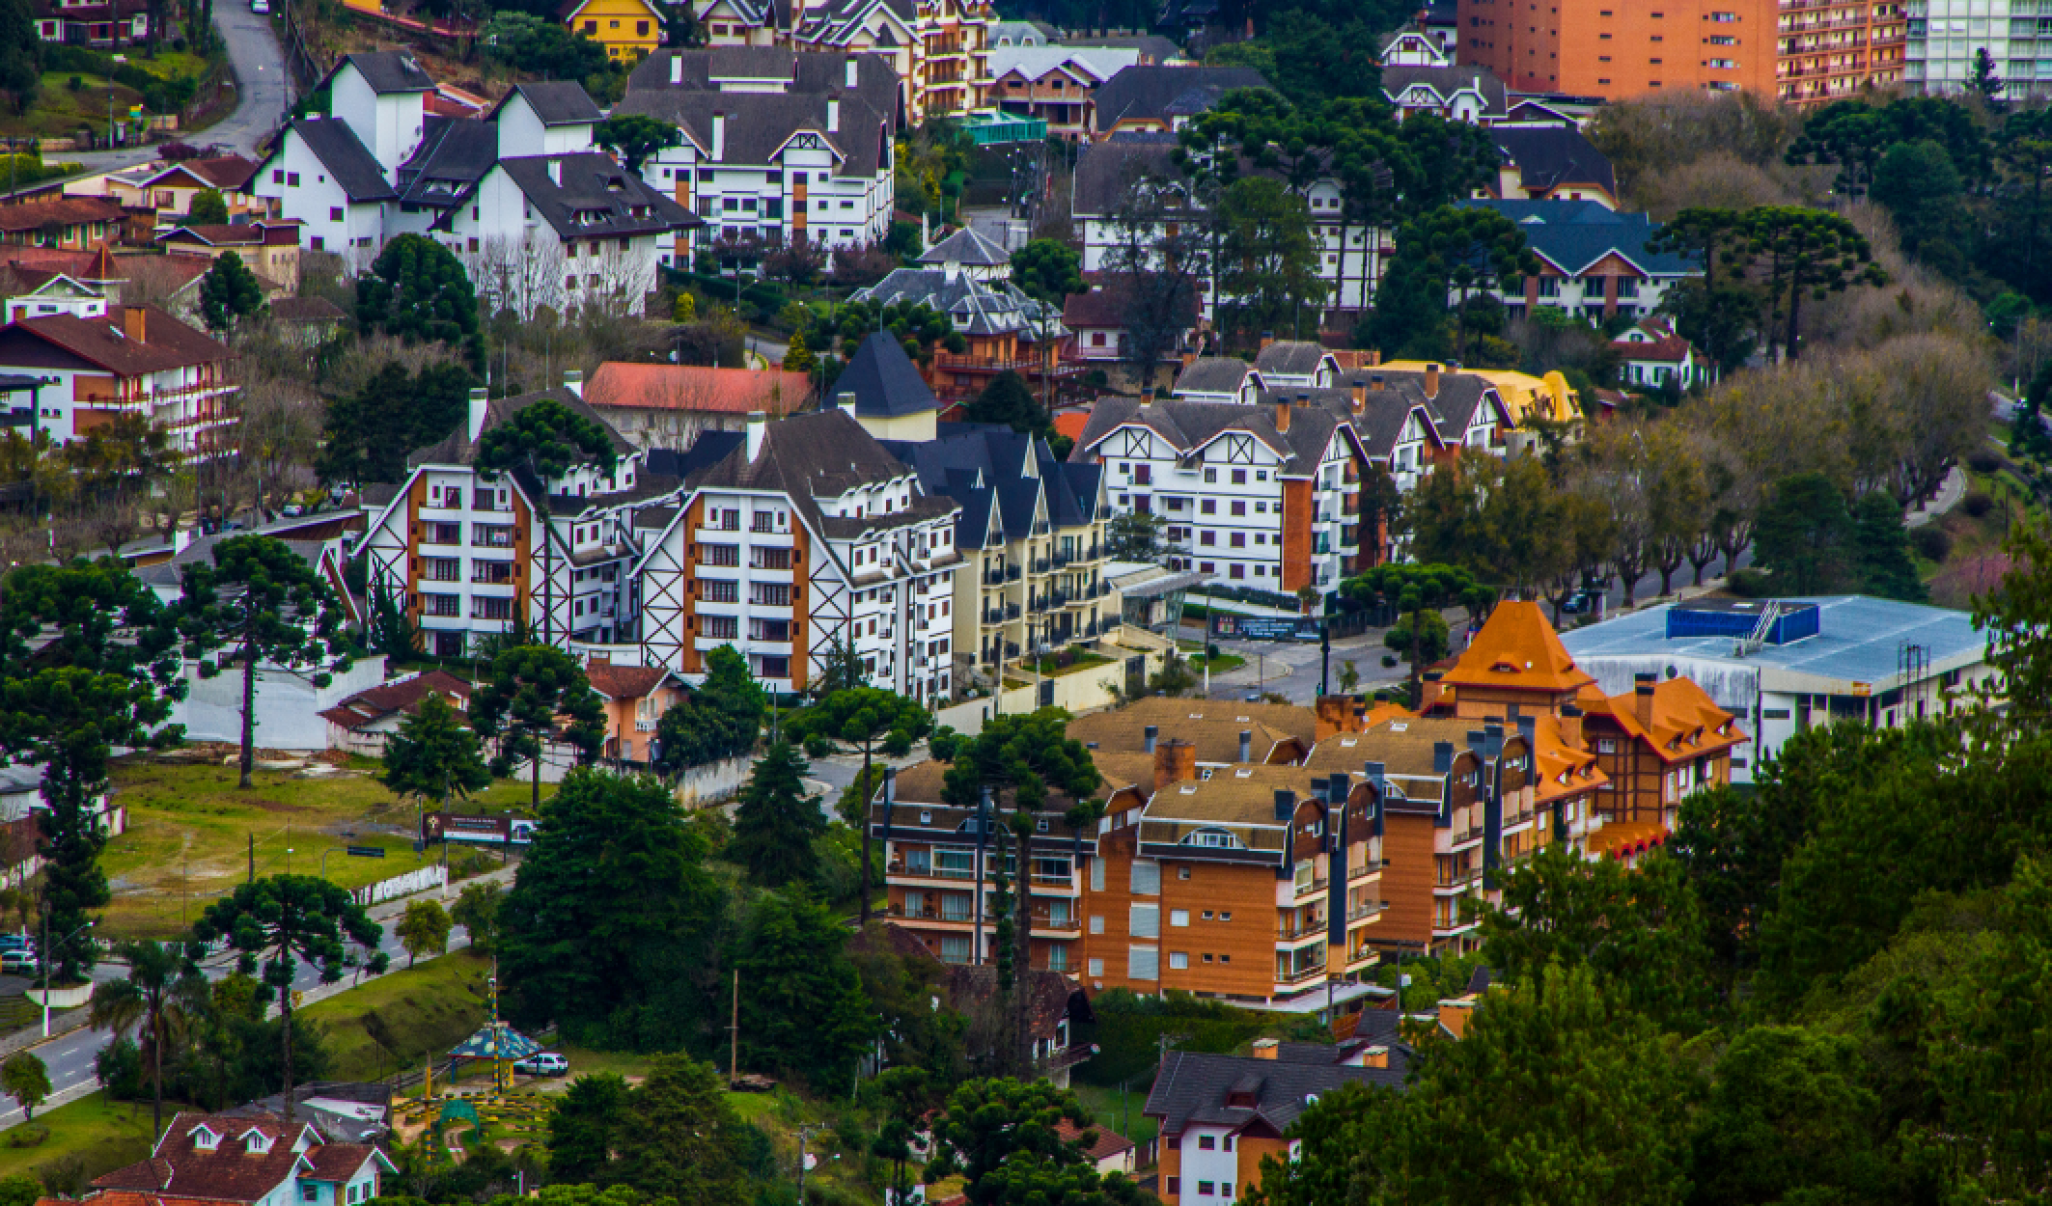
[(630, 30), (1549, 398)]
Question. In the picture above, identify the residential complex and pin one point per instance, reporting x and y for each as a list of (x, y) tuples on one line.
[(217, 1159), (1593, 261), (101, 363), (1837, 49), (1617, 51), (938, 51)]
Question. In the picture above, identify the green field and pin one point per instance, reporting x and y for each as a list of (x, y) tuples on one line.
[(96, 1134), (394, 1022), (190, 832), (1104, 1106)]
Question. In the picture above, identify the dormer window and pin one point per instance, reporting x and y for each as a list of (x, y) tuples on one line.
[(204, 1140), (256, 1143)]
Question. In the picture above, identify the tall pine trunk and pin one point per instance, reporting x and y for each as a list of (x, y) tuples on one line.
[(868, 789), (285, 1001), (248, 759)]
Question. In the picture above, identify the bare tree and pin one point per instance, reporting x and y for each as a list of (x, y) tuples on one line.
[(1155, 271)]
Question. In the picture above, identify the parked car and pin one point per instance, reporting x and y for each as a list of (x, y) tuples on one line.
[(9, 942), (545, 1063), (289, 510), (18, 962), (259, 7)]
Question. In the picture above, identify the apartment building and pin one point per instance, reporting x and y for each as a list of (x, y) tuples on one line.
[(1056, 84), (467, 553), (966, 278), (455, 153), (99, 363), (1266, 495), (1031, 533), (1835, 49), (841, 547), (1944, 37), (779, 146), (337, 173), (1601, 48), (1593, 261), (938, 51), (1111, 173)]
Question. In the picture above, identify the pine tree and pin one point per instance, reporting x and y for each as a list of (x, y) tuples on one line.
[(798, 358), (229, 292), (1881, 551), (434, 756), (776, 821), (805, 1013)]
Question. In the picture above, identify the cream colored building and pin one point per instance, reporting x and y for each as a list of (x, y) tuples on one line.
[(939, 48)]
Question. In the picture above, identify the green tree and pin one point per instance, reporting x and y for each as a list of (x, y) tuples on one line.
[(1413, 589), (540, 43), (208, 208), (775, 821), (1918, 184), (1009, 402), (1001, 1136), (798, 358), (160, 999), (1881, 551), (477, 911), (1420, 635), (229, 292), (1805, 535), (636, 136), (721, 719), (804, 1013), (1790, 1119), (367, 435), (422, 929), (20, 54), (259, 602), (612, 928), (417, 289), (1985, 80), (27, 1080), (18, 1190), (1135, 536), (282, 919), (1048, 271), (867, 719), (85, 664), (684, 1142), (1268, 258), (1808, 251), (1464, 251), (536, 695), (433, 756), (586, 1126), (2028, 435), (542, 443)]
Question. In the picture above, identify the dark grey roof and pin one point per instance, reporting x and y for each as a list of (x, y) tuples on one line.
[(391, 71), (759, 123), (884, 380), (1290, 358), (966, 246), (1153, 93), (337, 1127), (1460, 396), (1213, 375), (976, 307), (559, 103), (1194, 1087), (1380, 421), (986, 467), (171, 573), (1187, 425), (1159, 48), (454, 153), (587, 195), (752, 63), (1550, 156), (1574, 235), (822, 454), (1106, 171), (1446, 81), (353, 167)]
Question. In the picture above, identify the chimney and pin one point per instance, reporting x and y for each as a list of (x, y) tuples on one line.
[(1285, 804), (1373, 772), (1375, 1057), (1188, 359), (1264, 1048), (1359, 388), (833, 115), (134, 323), (1148, 736), (573, 380), (1267, 337), (1528, 728), (1642, 699), (1374, 358), (480, 399), (758, 426), (1492, 742), (1442, 757), (1174, 762), (719, 146), (1246, 745), (1432, 380), (846, 401), (676, 67), (1375, 381), (1571, 726), (1282, 417)]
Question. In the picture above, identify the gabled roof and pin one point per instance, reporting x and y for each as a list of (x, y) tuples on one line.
[(388, 71), (63, 211), (1105, 309), (225, 172), (587, 195), (975, 306), (1150, 93), (1188, 426), (1517, 649), (306, 310), (823, 454), (1195, 1087), (555, 102), (231, 1172), (1446, 83), (627, 682), (966, 246), (1106, 170), (1213, 375), (344, 155), (1549, 157), (884, 380), (1682, 722), (695, 388), (457, 449), (1291, 358), (454, 153), (399, 696), (167, 343), (1573, 236), (1213, 726), (759, 124)]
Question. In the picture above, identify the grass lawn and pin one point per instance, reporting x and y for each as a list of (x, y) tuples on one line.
[(1050, 668), (59, 112), (395, 1021), (1104, 1106), (584, 1060), (98, 1134), (189, 832), (1219, 665)]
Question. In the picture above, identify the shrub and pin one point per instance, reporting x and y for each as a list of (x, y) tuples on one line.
[(1977, 503), (75, 83), (1748, 584), (1388, 660), (1983, 460), (1931, 542)]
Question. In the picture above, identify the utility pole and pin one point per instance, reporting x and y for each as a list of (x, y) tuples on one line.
[(805, 1134), (734, 1035)]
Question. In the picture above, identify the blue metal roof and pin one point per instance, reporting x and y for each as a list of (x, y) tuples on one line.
[(1860, 640), (1573, 235)]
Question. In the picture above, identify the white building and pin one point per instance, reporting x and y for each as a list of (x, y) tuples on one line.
[(797, 537), (1804, 663), (337, 173), (937, 51), (99, 363), (1946, 36), (777, 146), (465, 552)]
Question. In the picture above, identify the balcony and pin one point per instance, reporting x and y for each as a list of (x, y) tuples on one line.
[(1012, 611), (899, 867), (1300, 976), (1458, 879), (994, 615), (1058, 598), (1289, 931), (1057, 925), (929, 913), (1462, 837), (1041, 565), (994, 577), (1365, 910), (1011, 573), (645, 724), (1314, 888)]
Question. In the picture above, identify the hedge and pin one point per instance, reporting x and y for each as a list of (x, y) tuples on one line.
[(1128, 1028)]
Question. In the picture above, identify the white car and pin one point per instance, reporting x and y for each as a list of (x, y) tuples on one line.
[(260, 6), (546, 1063)]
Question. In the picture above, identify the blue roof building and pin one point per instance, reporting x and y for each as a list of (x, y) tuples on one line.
[(1593, 261), (1784, 665)]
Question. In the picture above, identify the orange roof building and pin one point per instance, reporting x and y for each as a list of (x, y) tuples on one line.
[(1659, 744), (1516, 660), (668, 405)]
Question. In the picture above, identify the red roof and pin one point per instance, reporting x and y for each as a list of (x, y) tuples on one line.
[(1109, 1142), (624, 682), (400, 695), (64, 211), (230, 1171), (686, 387), (1104, 310), (243, 234), (166, 343), (224, 172), (1071, 423)]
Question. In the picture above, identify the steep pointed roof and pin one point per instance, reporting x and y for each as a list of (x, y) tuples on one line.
[(1518, 649), (884, 380)]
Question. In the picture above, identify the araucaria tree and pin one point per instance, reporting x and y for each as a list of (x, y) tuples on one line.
[(276, 922), (868, 719), (536, 694), (1811, 251), (434, 756), (636, 136), (256, 602), (417, 289), (539, 445), (229, 293), (71, 690), (1463, 251), (775, 822), (1003, 1137)]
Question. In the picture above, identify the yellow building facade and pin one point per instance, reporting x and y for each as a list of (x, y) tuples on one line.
[(630, 30)]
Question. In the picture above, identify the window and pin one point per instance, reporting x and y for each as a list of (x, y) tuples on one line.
[(719, 554), (1239, 477), (1208, 506), (1205, 1143), (1097, 925), (1145, 921), (309, 1193), (1179, 917), (1097, 972), (714, 590), (334, 213), (1239, 507), (1146, 877), (719, 628), (1143, 963), (1205, 1189)]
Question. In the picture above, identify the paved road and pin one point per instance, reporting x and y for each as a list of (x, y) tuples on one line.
[(261, 86)]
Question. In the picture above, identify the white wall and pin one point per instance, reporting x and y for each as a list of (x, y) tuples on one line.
[(287, 705)]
